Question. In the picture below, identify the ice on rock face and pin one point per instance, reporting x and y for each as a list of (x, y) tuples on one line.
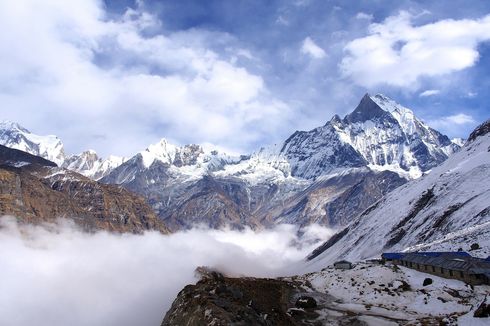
[(395, 140)]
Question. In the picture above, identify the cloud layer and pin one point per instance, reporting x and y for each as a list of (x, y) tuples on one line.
[(125, 81), (57, 275), (116, 79), (397, 52)]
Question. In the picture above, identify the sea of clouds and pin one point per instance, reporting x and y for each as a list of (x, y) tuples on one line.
[(56, 274)]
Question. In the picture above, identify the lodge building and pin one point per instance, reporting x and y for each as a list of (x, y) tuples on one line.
[(456, 265)]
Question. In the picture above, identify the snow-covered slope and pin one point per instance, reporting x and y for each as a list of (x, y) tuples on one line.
[(320, 151), (448, 208), (385, 295), (15, 136)]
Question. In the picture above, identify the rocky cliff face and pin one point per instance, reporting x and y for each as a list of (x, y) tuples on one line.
[(34, 190), (335, 200)]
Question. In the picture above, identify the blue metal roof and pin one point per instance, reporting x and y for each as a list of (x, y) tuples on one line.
[(439, 253), (392, 255), (398, 255), (450, 261)]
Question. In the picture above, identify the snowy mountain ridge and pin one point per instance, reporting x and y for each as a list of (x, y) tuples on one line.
[(15, 136), (90, 165), (379, 134), (51, 148), (390, 137)]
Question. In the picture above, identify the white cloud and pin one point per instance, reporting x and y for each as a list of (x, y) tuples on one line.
[(455, 125), (453, 122), (363, 15), (459, 119), (429, 92), (57, 275), (311, 48), (398, 53), (95, 75)]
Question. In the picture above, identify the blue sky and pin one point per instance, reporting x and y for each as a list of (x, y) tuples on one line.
[(116, 76)]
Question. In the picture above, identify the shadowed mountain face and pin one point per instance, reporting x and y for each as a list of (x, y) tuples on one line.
[(333, 202), (34, 190), (18, 158)]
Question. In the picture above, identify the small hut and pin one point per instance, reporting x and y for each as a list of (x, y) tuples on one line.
[(343, 264)]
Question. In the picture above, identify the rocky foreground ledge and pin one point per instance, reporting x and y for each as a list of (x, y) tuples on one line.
[(368, 294), (220, 300)]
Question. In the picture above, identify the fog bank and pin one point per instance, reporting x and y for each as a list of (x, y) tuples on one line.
[(58, 275)]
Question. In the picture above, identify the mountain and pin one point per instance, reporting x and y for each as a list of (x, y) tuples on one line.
[(50, 147), (35, 190), (379, 133), (445, 210), (90, 165), (333, 201), (326, 175)]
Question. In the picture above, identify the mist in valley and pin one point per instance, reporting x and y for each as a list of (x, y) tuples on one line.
[(56, 274)]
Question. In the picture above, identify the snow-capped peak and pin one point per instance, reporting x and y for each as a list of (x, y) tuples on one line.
[(15, 136), (388, 104), (10, 125), (405, 117), (50, 147), (91, 165), (162, 151)]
